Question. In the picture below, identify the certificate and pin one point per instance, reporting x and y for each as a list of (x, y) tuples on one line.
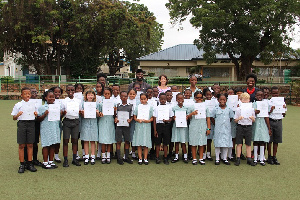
[(28, 109), (246, 110), (108, 107), (36, 102), (143, 112), (99, 99), (201, 109), (58, 101), (89, 109), (78, 95), (123, 116), (174, 96), (188, 102), (233, 102), (262, 106), (72, 110), (54, 112), (278, 102), (180, 119), (210, 104), (163, 112)]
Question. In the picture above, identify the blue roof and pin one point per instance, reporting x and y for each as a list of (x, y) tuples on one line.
[(179, 52)]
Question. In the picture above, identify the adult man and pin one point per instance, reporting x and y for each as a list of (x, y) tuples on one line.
[(139, 79)]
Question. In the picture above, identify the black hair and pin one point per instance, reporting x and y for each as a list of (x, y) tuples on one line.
[(136, 83), (53, 88), (114, 85), (70, 85), (219, 95), (258, 90), (144, 94), (274, 88), (187, 90), (79, 84), (123, 92), (205, 90), (179, 95), (238, 90), (174, 86), (265, 88), (46, 94), (101, 75), (161, 94), (25, 88), (149, 88), (251, 76), (102, 86), (197, 92), (109, 89), (155, 87), (130, 90), (139, 71)]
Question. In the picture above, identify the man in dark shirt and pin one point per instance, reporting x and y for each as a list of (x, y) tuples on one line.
[(139, 79)]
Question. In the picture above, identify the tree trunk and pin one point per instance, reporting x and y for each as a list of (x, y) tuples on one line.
[(245, 66), (236, 64)]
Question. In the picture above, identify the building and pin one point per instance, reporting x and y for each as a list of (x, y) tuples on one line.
[(185, 59)]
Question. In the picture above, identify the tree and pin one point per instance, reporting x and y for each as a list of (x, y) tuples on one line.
[(242, 29)]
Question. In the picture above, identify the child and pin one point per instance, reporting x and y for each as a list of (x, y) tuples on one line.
[(70, 106), (155, 93), (116, 94), (244, 130), (57, 93), (266, 93), (180, 134), (142, 134), (162, 129), (198, 130), (99, 92), (106, 129), (26, 128), (169, 96), (276, 128), (188, 94), (50, 131), (216, 91), (79, 88), (123, 131), (261, 131), (231, 150), (193, 83), (89, 128), (222, 133), (174, 88)]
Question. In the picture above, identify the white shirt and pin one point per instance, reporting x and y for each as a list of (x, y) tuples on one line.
[(66, 101), (155, 114), (275, 115), (244, 121), (116, 99), (18, 107)]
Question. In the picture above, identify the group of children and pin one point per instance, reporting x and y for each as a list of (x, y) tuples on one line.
[(159, 121)]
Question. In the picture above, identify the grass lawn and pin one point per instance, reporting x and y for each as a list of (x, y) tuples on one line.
[(175, 181)]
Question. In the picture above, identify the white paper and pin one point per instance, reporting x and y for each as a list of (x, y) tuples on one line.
[(232, 101), (78, 95), (278, 102), (58, 101), (262, 106), (99, 99), (28, 109), (138, 94), (72, 110), (123, 116), (174, 96), (36, 102), (152, 103), (108, 107), (180, 119), (143, 112), (201, 108), (54, 112), (89, 110), (210, 104), (188, 102), (246, 110), (163, 112)]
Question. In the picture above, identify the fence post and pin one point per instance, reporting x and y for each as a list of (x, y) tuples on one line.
[(59, 81)]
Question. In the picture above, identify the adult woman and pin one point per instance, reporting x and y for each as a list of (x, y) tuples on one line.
[(162, 84), (251, 89), (193, 87)]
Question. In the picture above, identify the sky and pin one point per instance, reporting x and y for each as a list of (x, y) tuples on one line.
[(173, 36)]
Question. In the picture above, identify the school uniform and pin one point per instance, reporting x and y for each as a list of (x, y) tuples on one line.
[(89, 128), (106, 128), (222, 133), (142, 133), (50, 130), (25, 128), (275, 125), (197, 130), (212, 126), (196, 90), (180, 134), (116, 99), (134, 103), (163, 128), (260, 129), (124, 131)]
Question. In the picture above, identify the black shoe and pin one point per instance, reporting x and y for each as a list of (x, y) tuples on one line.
[(103, 161), (79, 159), (250, 162), (270, 160), (194, 162), (262, 163), (275, 161), (217, 162), (58, 161), (128, 161), (209, 158), (166, 162), (201, 162), (120, 161), (21, 169), (76, 162), (185, 160), (92, 161), (134, 157), (98, 158), (47, 166), (237, 162), (140, 162), (37, 163), (65, 164), (108, 161), (146, 162), (243, 157), (54, 165), (174, 160), (231, 159), (86, 162), (31, 168), (157, 160), (226, 162)]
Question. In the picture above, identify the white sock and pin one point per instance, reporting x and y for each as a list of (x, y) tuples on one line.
[(124, 156), (56, 157), (262, 153), (83, 152), (185, 155), (108, 155), (133, 154), (87, 156), (77, 154), (45, 163), (230, 152), (204, 156), (217, 151), (103, 156), (93, 156), (224, 152), (255, 148), (176, 156), (208, 154)]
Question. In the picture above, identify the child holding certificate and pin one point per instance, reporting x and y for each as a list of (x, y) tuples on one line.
[(199, 127), (49, 116), (162, 127), (222, 133), (25, 113), (106, 126), (123, 119), (142, 135), (79, 89), (261, 127), (99, 99), (277, 109), (244, 117), (89, 128), (233, 99), (180, 129)]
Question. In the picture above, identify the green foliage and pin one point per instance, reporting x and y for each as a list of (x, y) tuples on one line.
[(240, 28), (7, 79)]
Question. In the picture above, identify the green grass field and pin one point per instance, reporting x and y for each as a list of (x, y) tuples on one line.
[(175, 181)]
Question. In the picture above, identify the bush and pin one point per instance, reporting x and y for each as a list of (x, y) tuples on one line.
[(260, 81), (10, 79), (131, 75)]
